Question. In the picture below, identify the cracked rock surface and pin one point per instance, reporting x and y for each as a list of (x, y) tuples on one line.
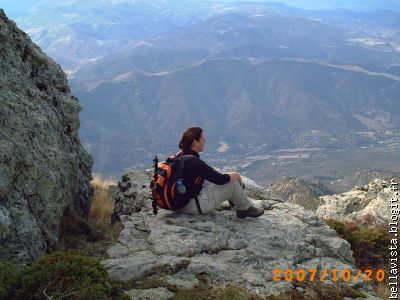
[(225, 249), (369, 202), (43, 167)]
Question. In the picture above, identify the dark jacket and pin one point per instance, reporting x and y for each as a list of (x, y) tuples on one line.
[(196, 171)]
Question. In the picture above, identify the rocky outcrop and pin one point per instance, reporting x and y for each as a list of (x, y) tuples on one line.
[(299, 191), (44, 169), (179, 249), (359, 178), (367, 204), (132, 193)]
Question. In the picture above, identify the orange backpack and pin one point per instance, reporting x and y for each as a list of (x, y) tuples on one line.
[(167, 185)]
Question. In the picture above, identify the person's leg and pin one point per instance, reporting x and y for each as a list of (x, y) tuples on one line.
[(212, 195), (231, 191), (206, 204)]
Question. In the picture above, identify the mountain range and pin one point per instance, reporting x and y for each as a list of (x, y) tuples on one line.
[(272, 103), (257, 76)]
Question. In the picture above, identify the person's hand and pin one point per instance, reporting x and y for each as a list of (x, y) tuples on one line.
[(235, 176)]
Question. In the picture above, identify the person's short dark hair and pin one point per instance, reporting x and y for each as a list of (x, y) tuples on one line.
[(189, 135)]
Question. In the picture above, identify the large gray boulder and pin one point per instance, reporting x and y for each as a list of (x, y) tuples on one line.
[(367, 204), (178, 248), (44, 169)]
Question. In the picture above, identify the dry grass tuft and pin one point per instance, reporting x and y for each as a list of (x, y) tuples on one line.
[(102, 206), (101, 184)]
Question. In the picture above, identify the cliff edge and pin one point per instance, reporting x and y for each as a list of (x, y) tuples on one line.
[(180, 251), (44, 169)]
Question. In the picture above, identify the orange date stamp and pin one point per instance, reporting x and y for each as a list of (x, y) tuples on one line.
[(331, 275)]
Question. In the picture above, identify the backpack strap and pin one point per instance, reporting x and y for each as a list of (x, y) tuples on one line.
[(198, 205), (186, 158)]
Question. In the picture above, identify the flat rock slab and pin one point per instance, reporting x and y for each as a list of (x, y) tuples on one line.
[(150, 294), (226, 249)]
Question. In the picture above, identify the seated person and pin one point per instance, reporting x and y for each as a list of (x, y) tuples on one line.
[(211, 187)]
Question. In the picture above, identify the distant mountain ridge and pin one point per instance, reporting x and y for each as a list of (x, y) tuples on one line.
[(279, 103), (257, 76), (237, 36), (74, 32)]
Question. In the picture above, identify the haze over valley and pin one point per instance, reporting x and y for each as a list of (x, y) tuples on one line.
[(309, 91)]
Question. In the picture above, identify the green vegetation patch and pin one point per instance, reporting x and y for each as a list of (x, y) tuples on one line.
[(86, 238), (60, 275), (9, 276), (369, 245)]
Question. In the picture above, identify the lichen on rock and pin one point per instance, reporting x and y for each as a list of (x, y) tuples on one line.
[(44, 169)]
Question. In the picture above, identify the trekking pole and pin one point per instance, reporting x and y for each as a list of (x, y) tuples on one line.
[(154, 203)]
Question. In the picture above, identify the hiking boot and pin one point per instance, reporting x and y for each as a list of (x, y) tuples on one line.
[(252, 212)]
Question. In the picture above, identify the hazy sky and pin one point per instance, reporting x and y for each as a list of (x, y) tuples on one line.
[(17, 8)]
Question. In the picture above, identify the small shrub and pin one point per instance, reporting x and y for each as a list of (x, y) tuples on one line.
[(76, 232), (75, 225), (93, 236), (9, 277), (369, 247), (339, 227), (65, 275), (86, 238)]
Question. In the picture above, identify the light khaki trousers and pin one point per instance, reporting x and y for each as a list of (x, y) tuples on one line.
[(212, 195)]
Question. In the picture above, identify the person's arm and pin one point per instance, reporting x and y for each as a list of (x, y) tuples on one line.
[(210, 174)]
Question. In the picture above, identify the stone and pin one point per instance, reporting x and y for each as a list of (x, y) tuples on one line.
[(44, 170), (369, 205), (150, 294), (181, 280), (176, 248)]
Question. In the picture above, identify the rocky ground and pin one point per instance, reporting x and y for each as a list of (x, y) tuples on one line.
[(220, 249), (368, 202)]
